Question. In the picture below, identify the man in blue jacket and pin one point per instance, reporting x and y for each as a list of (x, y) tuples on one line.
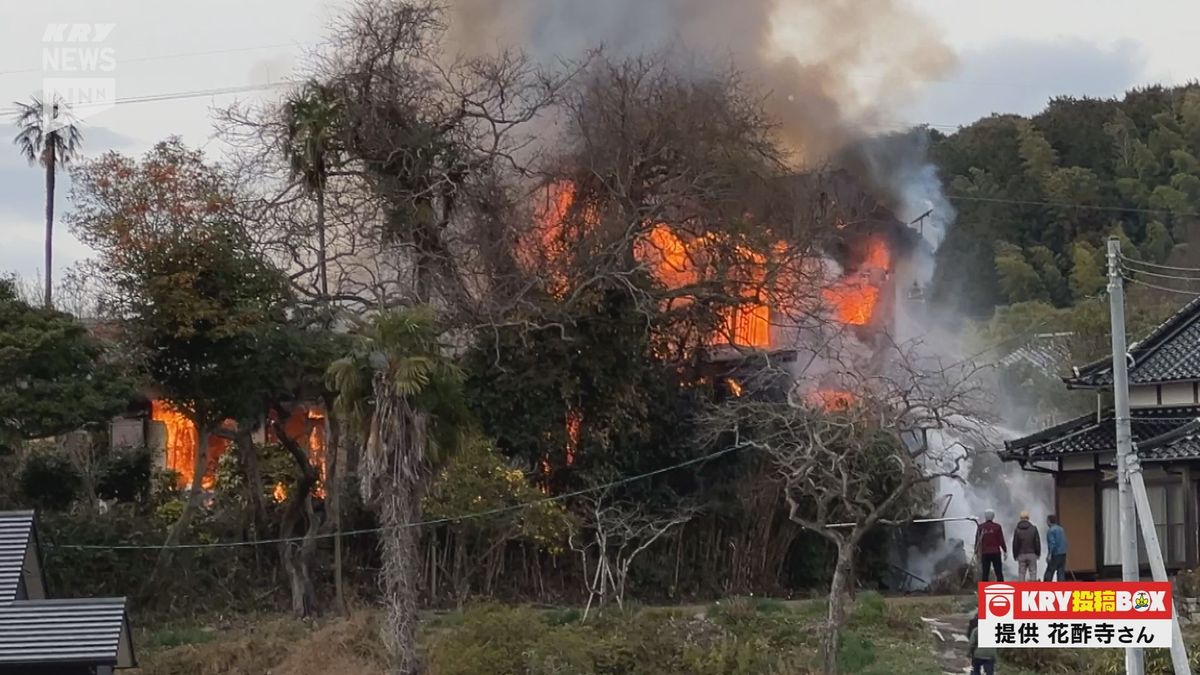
[(1056, 550)]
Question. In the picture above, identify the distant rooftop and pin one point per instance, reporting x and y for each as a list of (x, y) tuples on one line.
[(1170, 353)]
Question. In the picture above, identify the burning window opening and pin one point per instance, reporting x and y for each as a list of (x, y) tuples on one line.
[(854, 297), (181, 444)]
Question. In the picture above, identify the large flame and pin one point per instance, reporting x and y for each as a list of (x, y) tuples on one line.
[(674, 261), (182, 442), (854, 297)]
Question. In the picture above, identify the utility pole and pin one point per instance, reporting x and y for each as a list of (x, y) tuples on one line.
[(1134, 664), (1150, 535)]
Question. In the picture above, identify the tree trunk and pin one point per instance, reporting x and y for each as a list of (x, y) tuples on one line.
[(322, 269), (297, 555), (190, 506), (333, 499), (837, 604), (399, 508), (51, 161), (244, 442)]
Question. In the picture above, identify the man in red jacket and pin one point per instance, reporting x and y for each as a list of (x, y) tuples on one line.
[(990, 546)]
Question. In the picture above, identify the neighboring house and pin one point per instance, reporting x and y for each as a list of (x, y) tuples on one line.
[(1164, 392), (52, 637), (1046, 352)]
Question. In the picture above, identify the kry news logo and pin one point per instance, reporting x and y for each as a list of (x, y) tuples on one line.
[(1101, 614), (77, 67)]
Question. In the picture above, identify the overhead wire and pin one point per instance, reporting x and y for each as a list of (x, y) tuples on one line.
[(1156, 275), (1071, 205), (1168, 289), (1170, 268)]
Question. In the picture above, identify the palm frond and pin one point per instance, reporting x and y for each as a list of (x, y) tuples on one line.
[(46, 127)]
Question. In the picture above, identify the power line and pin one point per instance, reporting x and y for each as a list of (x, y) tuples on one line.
[(1173, 277), (1194, 270), (1147, 284), (177, 55), (423, 523), (196, 93), (1071, 205)]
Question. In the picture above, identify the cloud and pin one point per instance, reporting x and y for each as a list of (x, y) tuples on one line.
[(1021, 76)]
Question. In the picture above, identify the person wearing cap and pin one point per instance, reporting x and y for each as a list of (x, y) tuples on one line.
[(990, 547), (1056, 550), (1026, 548)]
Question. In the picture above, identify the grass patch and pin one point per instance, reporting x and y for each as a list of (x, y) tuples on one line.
[(177, 636)]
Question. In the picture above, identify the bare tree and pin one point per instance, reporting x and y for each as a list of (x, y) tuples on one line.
[(613, 534), (852, 457)]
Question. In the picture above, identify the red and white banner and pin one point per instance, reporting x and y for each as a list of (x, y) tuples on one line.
[(1099, 614)]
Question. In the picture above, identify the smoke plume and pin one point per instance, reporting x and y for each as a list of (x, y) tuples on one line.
[(832, 70)]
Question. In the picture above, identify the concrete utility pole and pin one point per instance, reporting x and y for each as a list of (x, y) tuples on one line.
[(1134, 664), (1150, 535)]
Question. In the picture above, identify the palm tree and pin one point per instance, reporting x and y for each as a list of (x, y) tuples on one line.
[(405, 398), (312, 117), (48, 136)]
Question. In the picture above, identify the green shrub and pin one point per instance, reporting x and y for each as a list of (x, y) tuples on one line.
[(855, 652), (124, 475), (50, 481), (871, 609)]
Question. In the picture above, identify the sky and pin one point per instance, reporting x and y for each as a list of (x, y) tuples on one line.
[(1010, 57)]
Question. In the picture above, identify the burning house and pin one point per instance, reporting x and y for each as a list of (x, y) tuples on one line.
[(868, 272)]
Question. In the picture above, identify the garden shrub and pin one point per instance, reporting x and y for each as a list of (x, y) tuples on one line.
[(855, 652), (50, 481), (124, 475), (871, 609)]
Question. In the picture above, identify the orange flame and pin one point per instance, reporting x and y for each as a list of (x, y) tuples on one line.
[(306, 427), (279, 494), (735, 386), (832, 400), (674, 261), (854, 297), (574, 427), (181, 445)]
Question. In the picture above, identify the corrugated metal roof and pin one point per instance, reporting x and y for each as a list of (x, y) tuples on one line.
[(16, 529), (93, 631)]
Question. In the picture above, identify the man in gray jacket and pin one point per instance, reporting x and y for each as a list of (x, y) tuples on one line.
[(1026, 548)]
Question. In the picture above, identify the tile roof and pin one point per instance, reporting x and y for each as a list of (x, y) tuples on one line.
[(1048, 352), (16, 534), (48, 632), (1162, 433), (1170, 353)]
